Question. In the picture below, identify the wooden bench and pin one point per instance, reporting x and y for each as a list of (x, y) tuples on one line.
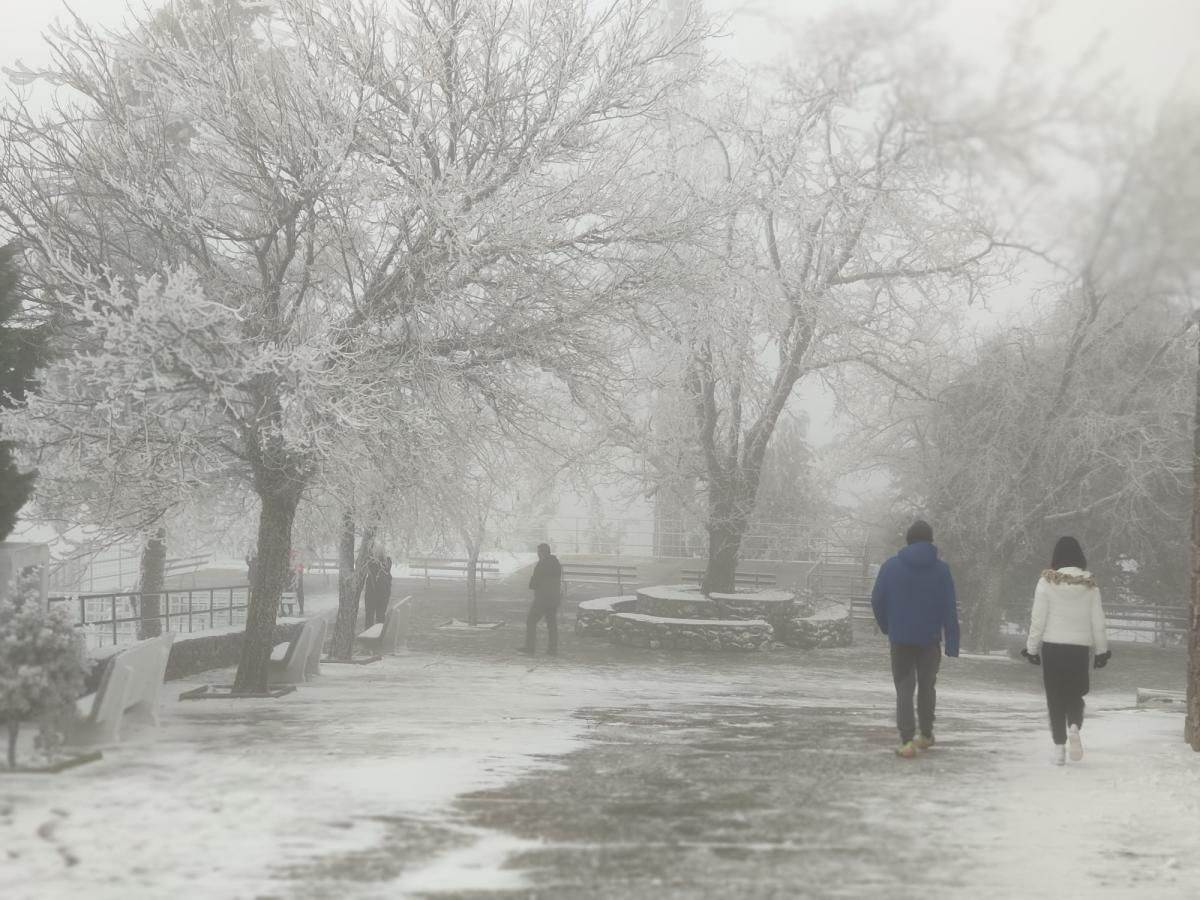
[(388, 636), (454, 568), (740, 579), (598, 573), (100, 714), (290, 661)]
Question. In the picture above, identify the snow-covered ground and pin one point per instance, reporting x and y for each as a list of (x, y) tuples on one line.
[(358, 772)]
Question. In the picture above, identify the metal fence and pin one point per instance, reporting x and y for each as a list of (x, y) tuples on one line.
[(119, 618), (114, 568)]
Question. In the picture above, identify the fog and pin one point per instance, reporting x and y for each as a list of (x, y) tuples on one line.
[(583, 448)]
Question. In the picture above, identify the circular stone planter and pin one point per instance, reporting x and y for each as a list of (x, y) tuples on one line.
[(684, 601), (591, 616), (829, 626), (655, 632)]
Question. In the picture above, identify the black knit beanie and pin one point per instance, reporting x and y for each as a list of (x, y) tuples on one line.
[(918, 531)]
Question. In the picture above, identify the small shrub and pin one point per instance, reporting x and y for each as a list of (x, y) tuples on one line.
[(42, 667)]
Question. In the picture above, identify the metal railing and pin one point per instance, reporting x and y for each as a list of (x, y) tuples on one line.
[(126, 613)]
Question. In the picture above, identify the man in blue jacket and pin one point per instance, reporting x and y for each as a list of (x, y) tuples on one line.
[(914, 604)]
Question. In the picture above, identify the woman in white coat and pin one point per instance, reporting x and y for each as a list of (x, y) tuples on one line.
[(1067, 622)]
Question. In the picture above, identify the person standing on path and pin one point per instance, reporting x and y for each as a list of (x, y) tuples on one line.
[(913, 601), (546, 584), (1067, 622), (378, 589)]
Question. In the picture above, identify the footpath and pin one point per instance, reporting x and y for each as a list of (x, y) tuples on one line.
[(462, 769)]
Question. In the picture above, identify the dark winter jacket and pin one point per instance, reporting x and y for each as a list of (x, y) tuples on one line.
[(546, 580), (913, 598), (379, 579)]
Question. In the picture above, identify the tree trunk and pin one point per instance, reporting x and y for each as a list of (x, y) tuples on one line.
[(472, 594), (154, 561), (352, 576), (14, 728), (985, 610), (1191, 730), (275, 519), (724, 544), (730, 503)]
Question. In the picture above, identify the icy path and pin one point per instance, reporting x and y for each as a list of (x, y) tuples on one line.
[(348, 788)]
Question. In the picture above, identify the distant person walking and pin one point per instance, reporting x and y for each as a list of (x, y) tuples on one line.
[(378, 589), (546, 584), (1067, 622), (913, 601)]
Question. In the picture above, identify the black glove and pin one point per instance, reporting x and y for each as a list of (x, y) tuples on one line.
[(1102, 659), (1035, 658)]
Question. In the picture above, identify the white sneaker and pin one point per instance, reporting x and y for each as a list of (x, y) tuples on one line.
[(1075, 743), (1060, 755)]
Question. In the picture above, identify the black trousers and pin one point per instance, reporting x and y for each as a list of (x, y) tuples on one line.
[(542, 608), (915, 666), (376, 608), (1065, 676)]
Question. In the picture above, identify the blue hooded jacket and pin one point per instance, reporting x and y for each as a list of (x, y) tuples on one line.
[(913, 598)]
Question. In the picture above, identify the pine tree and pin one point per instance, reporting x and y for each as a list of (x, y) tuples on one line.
[(20, 350)]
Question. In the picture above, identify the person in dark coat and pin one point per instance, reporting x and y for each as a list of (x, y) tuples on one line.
[(546, 584), (913, 601), (378, 589)]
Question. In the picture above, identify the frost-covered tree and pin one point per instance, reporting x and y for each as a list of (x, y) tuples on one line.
[(20, 349), (41, 665), (1073, 422), (261, 223), (846, 235)]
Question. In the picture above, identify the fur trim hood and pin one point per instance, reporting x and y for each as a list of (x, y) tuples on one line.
[(1071, 576)]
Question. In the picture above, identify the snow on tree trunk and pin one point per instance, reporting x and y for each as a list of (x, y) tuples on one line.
[(278, 511), (153, 576)]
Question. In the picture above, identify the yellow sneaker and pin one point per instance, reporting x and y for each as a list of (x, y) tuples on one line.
[(923, 741), (906, 750)]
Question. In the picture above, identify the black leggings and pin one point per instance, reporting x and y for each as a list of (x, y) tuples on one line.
[(1065, 675)]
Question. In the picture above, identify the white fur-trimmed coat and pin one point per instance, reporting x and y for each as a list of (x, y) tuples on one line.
[(1067, 610)]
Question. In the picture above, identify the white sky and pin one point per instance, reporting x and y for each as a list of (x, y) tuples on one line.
[(1155, 43)]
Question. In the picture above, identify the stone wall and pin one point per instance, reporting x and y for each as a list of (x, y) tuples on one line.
[(591, 616), (654, 632), (827, 627)]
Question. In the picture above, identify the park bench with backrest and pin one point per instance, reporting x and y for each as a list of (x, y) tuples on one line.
[(432, 567), (100, 714), (289, 663), (131, 683), (147, 664), (312, 667), (387, 637), (599, 573), (741, 580)]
